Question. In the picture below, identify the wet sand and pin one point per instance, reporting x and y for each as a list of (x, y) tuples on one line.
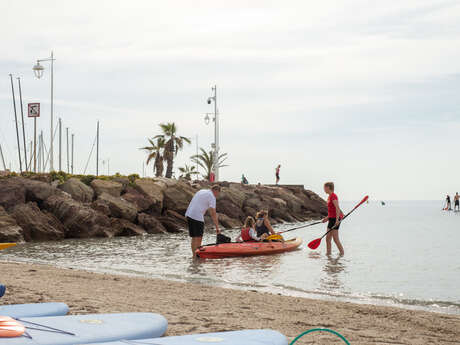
[(193, 308)]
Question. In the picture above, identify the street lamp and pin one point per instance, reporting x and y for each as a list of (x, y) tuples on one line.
[(215, 145), (38, 71)]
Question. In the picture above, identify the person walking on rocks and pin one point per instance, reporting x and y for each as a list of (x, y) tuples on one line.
[(202, 201), (277, 173)]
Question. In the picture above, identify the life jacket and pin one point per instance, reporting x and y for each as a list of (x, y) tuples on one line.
[(245, 235)]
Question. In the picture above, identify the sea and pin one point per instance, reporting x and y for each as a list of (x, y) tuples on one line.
[(404, 254)]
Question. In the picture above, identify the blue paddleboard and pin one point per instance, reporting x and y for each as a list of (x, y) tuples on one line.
[(84, 329), (34, 309), (249, 337)]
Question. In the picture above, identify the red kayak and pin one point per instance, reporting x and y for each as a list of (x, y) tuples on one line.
[(226, 250)]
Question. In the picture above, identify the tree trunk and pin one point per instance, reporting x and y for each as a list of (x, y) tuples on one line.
[(159, 167), (169, 158)]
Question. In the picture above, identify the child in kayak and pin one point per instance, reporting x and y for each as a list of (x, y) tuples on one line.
[(248, 233), (334, 214)]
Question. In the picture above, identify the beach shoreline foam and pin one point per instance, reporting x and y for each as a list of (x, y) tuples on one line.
[(194, 308)]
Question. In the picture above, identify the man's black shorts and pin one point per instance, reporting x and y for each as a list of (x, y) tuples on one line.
[(331, 224), (195, 227)]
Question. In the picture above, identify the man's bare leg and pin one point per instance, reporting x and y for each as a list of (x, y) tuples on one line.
[(196, 243)]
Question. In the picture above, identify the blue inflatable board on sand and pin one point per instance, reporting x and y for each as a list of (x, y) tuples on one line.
[(84, 329), (34, 309), (249, 337), (2, 290)]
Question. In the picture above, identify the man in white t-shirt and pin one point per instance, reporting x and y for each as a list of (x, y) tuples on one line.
[(202, 201)]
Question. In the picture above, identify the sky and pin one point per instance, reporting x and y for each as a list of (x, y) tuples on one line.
[(362, 93)]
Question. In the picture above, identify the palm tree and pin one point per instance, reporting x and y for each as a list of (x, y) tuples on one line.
[(188, 171), (173, 144), (206, 161), (154, 152)]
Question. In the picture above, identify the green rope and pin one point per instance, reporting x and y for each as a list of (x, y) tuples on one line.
[(319, 330)]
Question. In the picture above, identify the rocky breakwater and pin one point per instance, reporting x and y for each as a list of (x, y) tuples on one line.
[(35, 208)]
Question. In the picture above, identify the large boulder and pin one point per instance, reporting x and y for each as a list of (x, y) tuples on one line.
[(171, 224), (230, 209), (38, 191), (37, 225), (178, 196), (119, 208), (78, 190), (150, 224), (12, 192), (109, 187), (153, 190), (123, 227), (227, 222), (79, 220), (143, 202), (10, 231)]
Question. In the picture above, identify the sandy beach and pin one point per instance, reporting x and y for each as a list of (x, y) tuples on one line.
[(192, 308)]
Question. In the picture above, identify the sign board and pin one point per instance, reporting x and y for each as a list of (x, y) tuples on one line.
[(33, 110)]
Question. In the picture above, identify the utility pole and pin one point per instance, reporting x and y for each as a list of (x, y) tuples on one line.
[(16, 121), (67, 144), (23, 129), (3, 158), (71, 164), (60, 144), (97, 151)]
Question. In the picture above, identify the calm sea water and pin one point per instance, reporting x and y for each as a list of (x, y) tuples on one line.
[(404, 253)]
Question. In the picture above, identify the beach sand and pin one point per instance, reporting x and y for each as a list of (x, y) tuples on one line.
[(193, 308)]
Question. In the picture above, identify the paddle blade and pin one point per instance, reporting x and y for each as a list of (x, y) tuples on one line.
[(314, 244), (363, 201)]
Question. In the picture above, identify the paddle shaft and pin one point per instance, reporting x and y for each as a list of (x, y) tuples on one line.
[(300, 227), (354, 208)]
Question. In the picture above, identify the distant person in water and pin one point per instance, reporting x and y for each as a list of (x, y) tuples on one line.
[(249, 233), (277, 173), (334, 214), (448, 204), (202, 201), (457, 202), (263, 226)]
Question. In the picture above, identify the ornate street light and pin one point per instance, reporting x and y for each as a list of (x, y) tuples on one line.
[(38, 71)]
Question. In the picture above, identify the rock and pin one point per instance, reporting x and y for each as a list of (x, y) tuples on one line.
[(37, 225), (123, 227), (38, 191), (124, 181), (178, 196), (119, 208), (10, 231), (142, 201), (78, 190), (109, 187), (228, 208), (227, 222), (153, 190), (80, 221), (150, 224), (170, 224), (101, 206), (12, 192)]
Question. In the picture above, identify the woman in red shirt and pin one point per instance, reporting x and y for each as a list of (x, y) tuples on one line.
[(334, 214)]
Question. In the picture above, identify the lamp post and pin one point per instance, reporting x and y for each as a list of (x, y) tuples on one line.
[(216, 130), (38, 70)]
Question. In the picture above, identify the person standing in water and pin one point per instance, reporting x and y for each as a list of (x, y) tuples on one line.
[(277, 173), (448, 205), (456, 202), (334, 214), (202, 201)]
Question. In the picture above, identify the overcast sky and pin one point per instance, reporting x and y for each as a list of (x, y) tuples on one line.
[(363, 93)]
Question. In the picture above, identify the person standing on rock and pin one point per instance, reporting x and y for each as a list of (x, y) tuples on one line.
[(277, 173), (202, 201)]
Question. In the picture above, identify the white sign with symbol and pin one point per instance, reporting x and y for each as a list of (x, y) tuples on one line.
[(33, 110)]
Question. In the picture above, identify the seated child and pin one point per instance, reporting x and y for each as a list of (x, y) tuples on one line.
[(248, 233)]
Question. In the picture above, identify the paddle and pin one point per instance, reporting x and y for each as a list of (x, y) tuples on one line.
[(315, 243), (300, 227)]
